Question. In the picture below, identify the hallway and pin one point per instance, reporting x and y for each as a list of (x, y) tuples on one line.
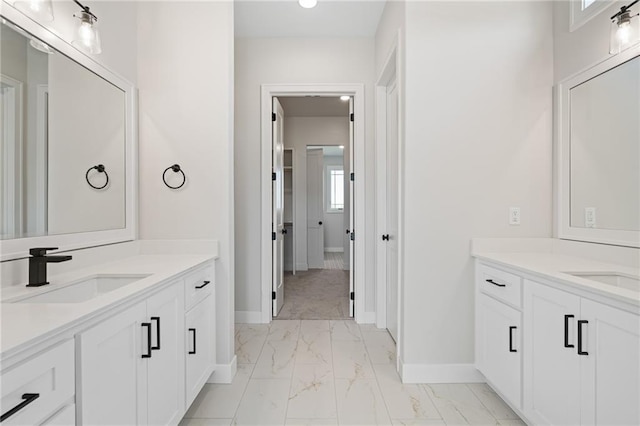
[(317, 294), (329, 373)]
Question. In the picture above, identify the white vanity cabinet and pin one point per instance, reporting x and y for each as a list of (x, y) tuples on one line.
[(584, 363), (132, 364)]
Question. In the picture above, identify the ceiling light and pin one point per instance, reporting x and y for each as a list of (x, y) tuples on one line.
[(625, 29), (308, 4), (341, 147), (345, 98), (40, 10), (87, 37)]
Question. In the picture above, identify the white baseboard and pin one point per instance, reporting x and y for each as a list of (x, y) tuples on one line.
[(248, 317), (334, 249), (440, 373), (367, 318), (224, 372), (302, 266)]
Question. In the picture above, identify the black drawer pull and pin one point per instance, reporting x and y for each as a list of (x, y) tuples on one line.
[(511, 339), (490, 281), (148, 326), (204, 284), (28, 399), (194, 341), (566, 331), (157, 320), (580, 351)]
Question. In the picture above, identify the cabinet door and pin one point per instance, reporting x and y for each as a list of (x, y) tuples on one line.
[(551, 371), (112, 378), (611, 370), (499, 347), (200, 348), (165, 390)]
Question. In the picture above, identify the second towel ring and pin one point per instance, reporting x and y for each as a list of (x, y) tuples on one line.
[(100, 169), (176, 169)]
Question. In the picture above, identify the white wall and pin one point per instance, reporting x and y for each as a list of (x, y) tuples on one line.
[(478, 129), (391, 22), (284, 61), (185, 74), (334, 224)]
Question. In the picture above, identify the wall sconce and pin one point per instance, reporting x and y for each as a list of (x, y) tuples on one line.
[(40, 10), (87, 37), (625, 29)]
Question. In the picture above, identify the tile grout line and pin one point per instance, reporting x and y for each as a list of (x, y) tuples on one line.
[(295, 364), (375, 375)]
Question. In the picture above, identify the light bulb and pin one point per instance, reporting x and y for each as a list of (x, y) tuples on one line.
[(308, 4), (87, 37), (624, 32)]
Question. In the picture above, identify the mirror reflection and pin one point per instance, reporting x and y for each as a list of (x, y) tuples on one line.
[(605, 150), (62, 146)]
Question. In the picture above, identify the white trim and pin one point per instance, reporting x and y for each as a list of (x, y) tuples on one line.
[(563, 227), (334, 249), (302, 266), (440, 373), (224, 373), (248, 317), (368, 318), (18, 248), (42, 163), (578, 17), (267, 92)]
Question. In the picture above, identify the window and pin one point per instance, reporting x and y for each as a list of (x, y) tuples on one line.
[(335, 189), (583, 10)]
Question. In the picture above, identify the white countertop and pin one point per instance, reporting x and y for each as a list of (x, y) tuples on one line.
[(26, 324), (555, 266)]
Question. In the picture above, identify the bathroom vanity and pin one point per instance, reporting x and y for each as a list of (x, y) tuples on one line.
[(127, 342)]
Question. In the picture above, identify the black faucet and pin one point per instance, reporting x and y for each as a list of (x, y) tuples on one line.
[(38, 265)]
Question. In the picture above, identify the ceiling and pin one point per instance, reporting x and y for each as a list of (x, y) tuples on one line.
[(330, 18), (316, 106)]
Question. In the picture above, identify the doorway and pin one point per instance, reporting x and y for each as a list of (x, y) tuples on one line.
[(351, 253)]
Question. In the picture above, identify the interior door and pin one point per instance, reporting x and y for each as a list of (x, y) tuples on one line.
[(278, 206), (392, 210), (352, 195), (315, 210)]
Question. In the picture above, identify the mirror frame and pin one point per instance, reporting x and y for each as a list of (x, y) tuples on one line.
[(19, 248), (564, 230)]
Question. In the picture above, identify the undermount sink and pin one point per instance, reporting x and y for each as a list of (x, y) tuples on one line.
[(84, 289), (616, 279)]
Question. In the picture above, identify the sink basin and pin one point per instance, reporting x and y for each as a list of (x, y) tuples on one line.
[(615, 279), (84, 289)]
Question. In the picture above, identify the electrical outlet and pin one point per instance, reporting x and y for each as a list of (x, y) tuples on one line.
[(514, 216), (590, 217)]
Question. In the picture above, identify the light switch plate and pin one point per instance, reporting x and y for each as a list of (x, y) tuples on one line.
[(514, 215), (590, 217)]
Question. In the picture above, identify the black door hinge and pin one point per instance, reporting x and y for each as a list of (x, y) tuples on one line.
[(350, 117), (352, 236), (352, 296), (273, 236), (352, 176), (273, 176), (273, 116), (273, 295)]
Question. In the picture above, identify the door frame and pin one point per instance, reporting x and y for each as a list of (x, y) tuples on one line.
[(268, 91), (392, 70)]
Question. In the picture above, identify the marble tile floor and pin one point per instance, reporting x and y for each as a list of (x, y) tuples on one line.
[(316, 372)]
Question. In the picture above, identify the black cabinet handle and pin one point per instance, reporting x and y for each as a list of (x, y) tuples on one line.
[(385, 237), (566, 331), (194, 341), (148, 326), (204, 284), (157, 320), (490, 281), (28, 399), (511, 328), (580, 351)]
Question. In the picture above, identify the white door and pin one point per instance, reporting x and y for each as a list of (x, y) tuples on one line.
[(391, 237), (553, 367), (166, 384), (352, 214), (611, 365), (113, 373), (315, 209), (278, 206)]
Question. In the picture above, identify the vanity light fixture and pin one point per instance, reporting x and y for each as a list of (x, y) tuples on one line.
[(87, 37), (308, 4), (40, 10), (625, 29), (41, 46)]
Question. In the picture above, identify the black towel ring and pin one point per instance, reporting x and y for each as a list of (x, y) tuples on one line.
[(100, 168), (176, 169)]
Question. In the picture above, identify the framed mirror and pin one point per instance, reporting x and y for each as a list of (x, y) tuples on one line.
[(67, 144), (598, 153)]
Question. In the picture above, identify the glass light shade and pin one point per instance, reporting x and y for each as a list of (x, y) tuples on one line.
[(40, 10), (308, 4), (624, 34), (87, 37), (41, 46)]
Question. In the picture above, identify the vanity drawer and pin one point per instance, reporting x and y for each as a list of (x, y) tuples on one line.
[(501, 285), (198, 285), (48, 381)]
